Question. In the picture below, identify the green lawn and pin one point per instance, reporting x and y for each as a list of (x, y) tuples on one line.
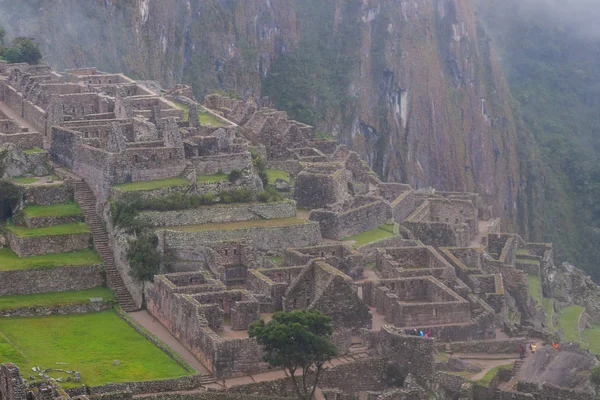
[(155, 184), (276, 259), (549, 307), (88, 343), (63, 229), (54, 210), (524, 261), (211, 178), (25, 180), (10, 261), (228, 226), (382, 232), (204, 116), (535, 288), (592, 337), (54, 299), (567, 321), (522, 252), (35, 150), (273, 174)]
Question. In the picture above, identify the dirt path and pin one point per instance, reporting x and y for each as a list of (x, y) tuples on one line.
[(157, 329), (483, 230)]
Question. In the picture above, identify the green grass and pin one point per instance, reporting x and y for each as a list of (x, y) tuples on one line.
[(88, 343), (592, 337), (567, 321), (487, 378), (35, 150), (25, 180), (54, 210), (54, 299), (522, 252), (228, 226), (208, 119), (548, 305), (63, 229), (276, 259), (532, 262), (211, 178), (9, 261), (155, 184), (204, 116), (382, 232), (535, 288), (273, 174)]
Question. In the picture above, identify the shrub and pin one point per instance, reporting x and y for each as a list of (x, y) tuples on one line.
[(10, 196), (595, 377), (144, 258), (234, 175)]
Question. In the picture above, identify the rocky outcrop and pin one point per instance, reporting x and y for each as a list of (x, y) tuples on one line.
[(570, 285)]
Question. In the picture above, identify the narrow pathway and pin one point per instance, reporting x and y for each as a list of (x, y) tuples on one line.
[(483, 230), (157, 329)]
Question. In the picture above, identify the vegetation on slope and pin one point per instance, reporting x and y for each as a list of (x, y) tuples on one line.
[(20, 50), (10, 261), (554, 76), (54, 299)]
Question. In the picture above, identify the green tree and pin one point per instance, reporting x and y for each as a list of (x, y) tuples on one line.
[(297, 341), (23, 49), (144, 258)]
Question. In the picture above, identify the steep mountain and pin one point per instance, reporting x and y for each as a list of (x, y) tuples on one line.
[(552, 61), (412, 85)]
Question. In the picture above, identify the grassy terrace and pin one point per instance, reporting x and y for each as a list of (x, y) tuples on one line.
[(169, 182), (229, 226), (382, 232), (35, 150), (54, 299), (523, 252), (63, 229), (567, 321), (88, 343), (206, 118), (532, 262), (10, 261), (535, 291), (273, 174), (155, 184), (24, 180), (592, 337), (54, 210), (211, 178)]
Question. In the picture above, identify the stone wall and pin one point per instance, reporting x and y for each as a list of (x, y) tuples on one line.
[(82, 308), (496, 346), (39, 222), (13, 99), (12, 386), (208, 165), (403, 206), (35, 116), (413, 354), (63, 145), (276, 238), (221, 213), (39, 245), (51, 279), (45, 195), (336, 225), (23, 141), (318, 189)]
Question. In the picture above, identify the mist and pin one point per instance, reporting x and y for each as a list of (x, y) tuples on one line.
[(578, 16)]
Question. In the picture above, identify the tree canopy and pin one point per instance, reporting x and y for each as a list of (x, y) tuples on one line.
[(21, 49), (297, 341), (143, 256)]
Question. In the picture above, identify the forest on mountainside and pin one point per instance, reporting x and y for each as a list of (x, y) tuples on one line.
[(553, 70)]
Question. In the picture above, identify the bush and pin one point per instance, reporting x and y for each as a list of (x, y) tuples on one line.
[(235, 175), (23, 49), (10, 196), (270, 195), (144, 258), (595, 377)]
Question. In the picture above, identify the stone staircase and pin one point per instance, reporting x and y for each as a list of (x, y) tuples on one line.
[(207, 379), (188, 170), (87, 201), (517, 368)]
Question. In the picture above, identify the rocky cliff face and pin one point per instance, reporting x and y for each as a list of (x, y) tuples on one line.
[(412, 85)]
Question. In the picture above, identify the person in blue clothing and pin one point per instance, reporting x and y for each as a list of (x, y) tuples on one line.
[(421, 333)]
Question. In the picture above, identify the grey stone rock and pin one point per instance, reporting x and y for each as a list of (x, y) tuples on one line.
[(281, 185), (40, 170), (116, 362)]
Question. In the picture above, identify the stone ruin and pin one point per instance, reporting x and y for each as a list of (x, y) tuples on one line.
[(447, 268)]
